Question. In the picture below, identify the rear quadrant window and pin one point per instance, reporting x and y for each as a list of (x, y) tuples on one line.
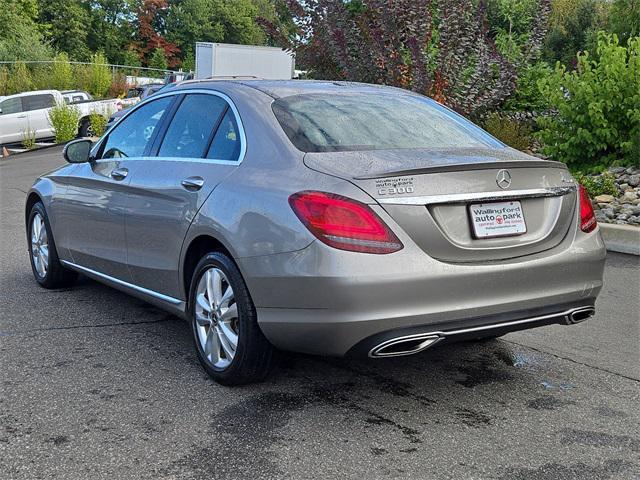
[(226, 143)]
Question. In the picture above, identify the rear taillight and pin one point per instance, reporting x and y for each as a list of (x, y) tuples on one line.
[(344, 223), (587, 216)]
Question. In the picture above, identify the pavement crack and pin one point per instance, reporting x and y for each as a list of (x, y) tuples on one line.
[(78, 327), (621, 375)]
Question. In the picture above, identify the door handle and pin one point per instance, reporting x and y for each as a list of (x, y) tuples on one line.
[(21, 116), (193, 183), (119, 173)]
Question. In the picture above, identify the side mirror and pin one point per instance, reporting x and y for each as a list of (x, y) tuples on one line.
[(77, 151)]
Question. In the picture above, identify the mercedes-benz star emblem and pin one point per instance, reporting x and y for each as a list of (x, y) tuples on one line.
[(503, 179)]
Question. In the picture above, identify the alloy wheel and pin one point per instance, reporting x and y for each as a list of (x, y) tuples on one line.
[(216, 316), (39, 245)]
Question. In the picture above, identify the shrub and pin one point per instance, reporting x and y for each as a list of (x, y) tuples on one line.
[(4, 80), (513, 133), (604, 184), (440, 48), (61, 73), (29, 139), (98, 123), (118, 87), (598, 108), (99, 76), (64, 120), (20, 79), (82, 75), (527, 96)]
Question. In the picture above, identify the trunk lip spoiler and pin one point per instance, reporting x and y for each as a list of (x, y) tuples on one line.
[(479, 196), (456, 167)]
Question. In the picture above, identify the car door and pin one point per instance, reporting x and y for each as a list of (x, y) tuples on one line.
[(93, 220), (37, 108), (13, 121), (195, 150)]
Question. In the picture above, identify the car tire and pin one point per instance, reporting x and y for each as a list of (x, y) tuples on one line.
[(45, 264), (85, 129), (228, 341)]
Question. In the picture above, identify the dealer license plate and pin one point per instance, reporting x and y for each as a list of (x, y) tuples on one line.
[(498, 219)]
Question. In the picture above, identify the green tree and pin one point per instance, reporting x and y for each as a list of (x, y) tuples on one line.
[(61, 73), (20, 79), (4, 80), (20, 36), (111, 28), (99, 76), (598, 107), (624, 19), (189, 62), (229, 21), (511, 22), (66, 24), (572, 23), (158, 60)]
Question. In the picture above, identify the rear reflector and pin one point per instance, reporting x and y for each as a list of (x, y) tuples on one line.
[(344, 223), (587, 217)]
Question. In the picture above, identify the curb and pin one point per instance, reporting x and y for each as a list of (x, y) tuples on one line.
[(621, 238)]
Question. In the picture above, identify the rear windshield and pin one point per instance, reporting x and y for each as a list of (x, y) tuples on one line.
[(374, 121)]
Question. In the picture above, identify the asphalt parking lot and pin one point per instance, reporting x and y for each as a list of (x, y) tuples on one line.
[(96, 384)]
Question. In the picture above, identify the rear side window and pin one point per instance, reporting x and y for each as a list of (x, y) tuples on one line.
[(226, 143), (11, 105), (132, 135), (191, 128), (374, 121), (38, 102)]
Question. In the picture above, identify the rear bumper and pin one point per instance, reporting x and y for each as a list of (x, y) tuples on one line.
[(325, 301)]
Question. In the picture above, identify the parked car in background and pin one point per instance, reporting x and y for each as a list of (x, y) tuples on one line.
[(120, 113), (28, 112), (330, 218), (143, 91)]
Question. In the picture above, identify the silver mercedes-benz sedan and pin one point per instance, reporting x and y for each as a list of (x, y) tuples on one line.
[(323, 217)]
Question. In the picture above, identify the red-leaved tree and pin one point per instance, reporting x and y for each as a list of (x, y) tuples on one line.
[(440, 48), (151, 26)]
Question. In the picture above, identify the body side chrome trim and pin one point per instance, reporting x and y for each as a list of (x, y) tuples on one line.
[(146, 291), (478, 196)]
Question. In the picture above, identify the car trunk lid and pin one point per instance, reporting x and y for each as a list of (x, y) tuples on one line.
[(435, 196)]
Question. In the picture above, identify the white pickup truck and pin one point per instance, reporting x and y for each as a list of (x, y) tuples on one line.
[(28, 112)]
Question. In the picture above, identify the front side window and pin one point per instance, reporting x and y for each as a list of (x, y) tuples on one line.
[(38, 102), (226, 142), (190, 130), (374, 121), (132, 135), (11, 105)]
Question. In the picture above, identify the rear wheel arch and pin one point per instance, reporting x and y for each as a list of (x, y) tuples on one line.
[(198, 248)]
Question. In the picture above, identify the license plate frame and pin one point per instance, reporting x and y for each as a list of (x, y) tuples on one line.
[(483, 227)]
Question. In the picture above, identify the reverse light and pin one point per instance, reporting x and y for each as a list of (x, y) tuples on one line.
[(588, 221), (344, 223)]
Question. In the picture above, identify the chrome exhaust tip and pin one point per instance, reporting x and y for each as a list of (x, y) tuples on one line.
[(408, 345), (580, 315)]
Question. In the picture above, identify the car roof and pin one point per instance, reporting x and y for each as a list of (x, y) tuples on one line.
[(286, 88)]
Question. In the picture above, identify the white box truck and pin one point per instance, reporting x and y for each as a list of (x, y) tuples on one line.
[(227, 60)]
